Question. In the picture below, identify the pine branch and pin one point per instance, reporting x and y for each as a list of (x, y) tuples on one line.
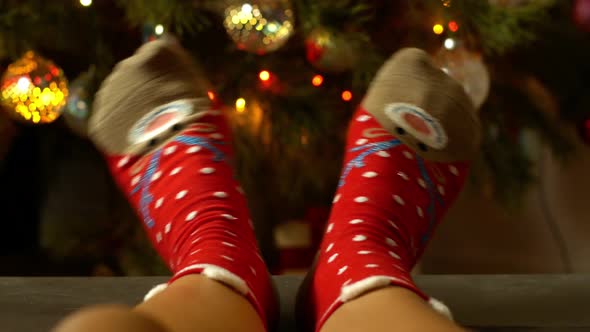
[(179, 16), (498, 28)]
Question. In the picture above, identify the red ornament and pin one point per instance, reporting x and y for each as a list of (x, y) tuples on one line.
[(585, 131), (581, 14)]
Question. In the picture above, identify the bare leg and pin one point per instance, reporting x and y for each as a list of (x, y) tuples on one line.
[(396, 186), (167, 148), (388, 309), (191, 304)]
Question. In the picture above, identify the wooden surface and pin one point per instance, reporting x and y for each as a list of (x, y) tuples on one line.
[(534, 303)]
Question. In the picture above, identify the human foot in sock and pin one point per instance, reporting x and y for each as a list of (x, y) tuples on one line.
[(168, 150), (407, 156)]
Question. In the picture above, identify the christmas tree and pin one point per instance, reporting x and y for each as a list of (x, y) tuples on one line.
[(290, 73)]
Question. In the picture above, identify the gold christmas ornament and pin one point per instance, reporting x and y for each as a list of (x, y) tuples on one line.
[(33, 90), (467, 67), (259, 26)]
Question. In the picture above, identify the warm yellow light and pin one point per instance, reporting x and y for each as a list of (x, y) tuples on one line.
[(23, 84), (240, 105), (211, 95), (264, 75), (347, 95), (159, 29), (317, 80), (438, 29), (86, 3)]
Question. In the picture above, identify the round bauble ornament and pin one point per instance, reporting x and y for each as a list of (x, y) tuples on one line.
[(468, 68), (581, 14), (259, 26), (33, 90), (79, 105)]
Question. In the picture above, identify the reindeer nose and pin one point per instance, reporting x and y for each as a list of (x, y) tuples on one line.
[(161, 121), (417, 123)]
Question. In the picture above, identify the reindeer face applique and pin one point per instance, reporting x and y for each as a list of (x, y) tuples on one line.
[(164, 122), (416, 128)]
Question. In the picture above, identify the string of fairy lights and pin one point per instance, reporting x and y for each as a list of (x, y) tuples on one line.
[(35, 90)]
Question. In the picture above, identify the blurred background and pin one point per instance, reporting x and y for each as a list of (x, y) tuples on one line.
[(290, 73)]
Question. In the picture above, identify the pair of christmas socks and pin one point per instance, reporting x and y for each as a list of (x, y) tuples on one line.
[(170, 151)]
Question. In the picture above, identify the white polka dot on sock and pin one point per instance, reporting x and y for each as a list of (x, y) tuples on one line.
[(216, 136), (158, 237), (370, 174), (253, 271), (196, 240), (230, 233), (399, 267), (228, 258), (170, 150), (156, 175), (332, 258), (390, 242), (191, 216), (361, 199), (135, 180), (422, 183), (176, 171), (454, 170), (194, 252), (398, 200), (342, 270), (228, 216), (123, 161), (361, 141), (364, 252), (383, 154), (336, 198), (359, 238), (159, 202), (363, 118), (193, 149), (403, 176), (392, 224), (419, 211), (220, 194), (408, 155), (167, 228), (330, 227), (394, 255), (227, 244), (356, 221), (441, 190), (181, 194), (207, 170), (372, 266), (330, 246)]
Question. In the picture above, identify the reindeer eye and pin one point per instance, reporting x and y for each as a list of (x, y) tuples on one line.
[(176, 127), (153, 142), (422, 147), (400, 131)]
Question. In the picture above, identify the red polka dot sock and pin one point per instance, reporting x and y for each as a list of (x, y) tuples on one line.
[(175, 170), (386, 208)]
